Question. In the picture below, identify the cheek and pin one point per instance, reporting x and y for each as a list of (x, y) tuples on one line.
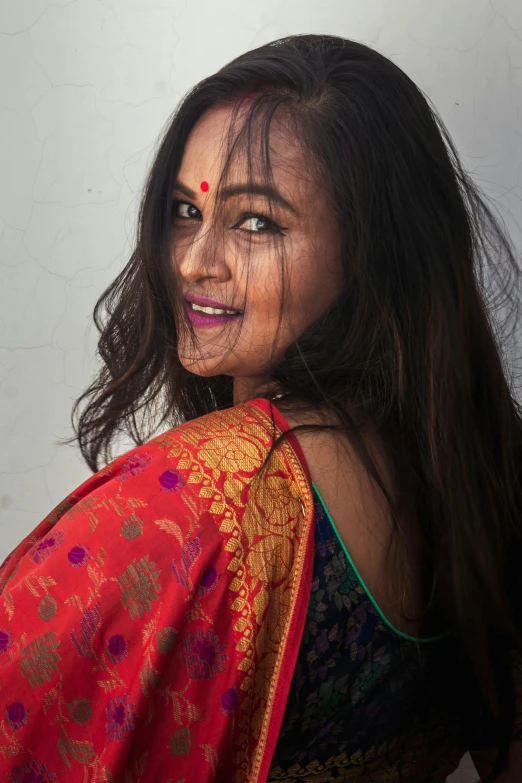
[(264, 284), (314, 283), (181, 243), (298, 286)]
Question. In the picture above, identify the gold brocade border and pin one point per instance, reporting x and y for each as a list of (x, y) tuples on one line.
[(306, 497), (413, 757), (264, 524)]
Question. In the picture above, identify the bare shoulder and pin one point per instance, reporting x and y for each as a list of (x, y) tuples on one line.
[(362, 517)]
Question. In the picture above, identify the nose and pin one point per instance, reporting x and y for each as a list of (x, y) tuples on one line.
[(203, 258)]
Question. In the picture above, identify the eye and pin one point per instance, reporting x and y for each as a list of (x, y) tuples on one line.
[(258, 224), (185, 211)]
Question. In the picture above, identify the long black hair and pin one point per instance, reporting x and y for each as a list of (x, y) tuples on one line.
[(415, 343)]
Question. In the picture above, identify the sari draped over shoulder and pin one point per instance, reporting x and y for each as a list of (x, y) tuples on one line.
[(150, 625)]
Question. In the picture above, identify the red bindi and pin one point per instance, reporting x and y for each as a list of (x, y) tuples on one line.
[(204, 186)]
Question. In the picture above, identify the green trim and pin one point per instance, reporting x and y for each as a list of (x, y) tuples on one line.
[(361, 580)]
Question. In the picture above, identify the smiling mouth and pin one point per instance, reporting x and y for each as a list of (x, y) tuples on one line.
[(212, 310)]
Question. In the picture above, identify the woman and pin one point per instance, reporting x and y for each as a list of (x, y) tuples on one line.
[(313, 576)]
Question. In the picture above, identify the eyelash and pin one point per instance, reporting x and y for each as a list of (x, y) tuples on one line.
[(273, 227)]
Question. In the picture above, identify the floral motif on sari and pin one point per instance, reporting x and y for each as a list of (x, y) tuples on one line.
[(152, 620)]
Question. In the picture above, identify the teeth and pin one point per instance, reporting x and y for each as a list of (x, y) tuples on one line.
[(212, 310)]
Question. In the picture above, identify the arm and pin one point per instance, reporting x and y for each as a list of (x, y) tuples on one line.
[(91, 607)]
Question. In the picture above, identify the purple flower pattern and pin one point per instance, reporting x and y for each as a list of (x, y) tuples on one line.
[(120, 718), (32, 772), (133, 466), (79, 556), (171, 480), (6, 640), (209, 581), (16, 715), (230, 701), (181, 567), (117, 648), (45, 548), (204, 656), (89, 626)]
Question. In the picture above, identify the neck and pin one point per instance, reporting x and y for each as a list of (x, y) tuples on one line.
[(248, 389)]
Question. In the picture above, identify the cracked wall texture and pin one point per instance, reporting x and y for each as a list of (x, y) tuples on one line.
[(85, 88)]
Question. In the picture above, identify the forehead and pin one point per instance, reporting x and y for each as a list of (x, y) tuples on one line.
[(218, 131)]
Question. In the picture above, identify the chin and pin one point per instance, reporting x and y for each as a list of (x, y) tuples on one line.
[(207, 368)]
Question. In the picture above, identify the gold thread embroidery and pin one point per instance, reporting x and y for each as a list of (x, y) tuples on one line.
[(265, 530)]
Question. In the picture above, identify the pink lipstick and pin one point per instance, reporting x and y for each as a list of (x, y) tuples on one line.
[(204, 313)]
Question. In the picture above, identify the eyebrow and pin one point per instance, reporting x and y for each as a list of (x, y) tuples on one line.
[(252, 189)]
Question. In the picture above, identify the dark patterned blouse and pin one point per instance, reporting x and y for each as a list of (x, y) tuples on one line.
[(367, 702)]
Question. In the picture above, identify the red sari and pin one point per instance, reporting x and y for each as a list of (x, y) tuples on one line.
[(149, 626)]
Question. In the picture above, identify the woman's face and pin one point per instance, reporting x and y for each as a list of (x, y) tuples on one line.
[(265, 263)]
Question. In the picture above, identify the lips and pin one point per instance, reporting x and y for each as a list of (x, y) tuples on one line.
[(204, 304), (203, 312)]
